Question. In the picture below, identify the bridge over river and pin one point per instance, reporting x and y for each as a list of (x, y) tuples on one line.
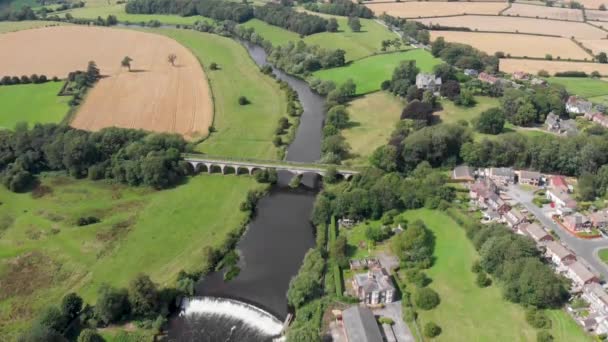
[(202, 163)]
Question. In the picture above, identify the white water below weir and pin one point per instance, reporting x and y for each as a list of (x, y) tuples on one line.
[(247, 313)]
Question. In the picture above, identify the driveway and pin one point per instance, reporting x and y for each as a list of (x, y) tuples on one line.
[(401, 330), (585, 249)]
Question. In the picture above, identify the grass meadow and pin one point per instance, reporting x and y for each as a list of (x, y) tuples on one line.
[(44, 254), (119, 11), (12, 26), (368, 73), (467, 312), (372, 118), (582, 86), (32, 103), (603, 254), (241, 131)]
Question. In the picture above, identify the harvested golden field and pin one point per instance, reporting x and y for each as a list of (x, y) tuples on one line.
[(524, 10), (516, 45), (435, 8), (154, 96), (533, 66), (596, 15), (596, 45), (521, 25), (592, 3)]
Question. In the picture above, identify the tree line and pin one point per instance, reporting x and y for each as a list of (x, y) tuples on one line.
[(301, 59), (34, 78), (126, 156), (23, 13), (287, 18), (215, 9), (344, 8)]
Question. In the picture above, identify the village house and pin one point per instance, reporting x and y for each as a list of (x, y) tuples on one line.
[(463, 173), (576, 222), (504, 175), (538, 81), (599, 219), (471, 72), (529, 177), (559, 255), (497, 204), (595, 295), (537, 233), (374, 287), (574, 105), (360, 325), (555, 124), (514, 218), (487, 78), (520, 76), (428, 82), (580, 275), (481, 190), (598, 118)]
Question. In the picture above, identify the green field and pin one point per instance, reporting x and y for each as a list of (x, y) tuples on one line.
[(373, 118), (356, 44), (32, 103), (242, 131), (467, 312), (603, 254), (11, 26), (452, 113), (44, 255), (119, 11), (368, 73), (582, 86)]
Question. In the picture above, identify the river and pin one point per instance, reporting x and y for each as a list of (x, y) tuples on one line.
[(252, 306)]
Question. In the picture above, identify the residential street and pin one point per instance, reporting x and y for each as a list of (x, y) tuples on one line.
[(584, 249)]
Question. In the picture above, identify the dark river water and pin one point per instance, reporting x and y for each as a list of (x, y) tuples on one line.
[(271, 250)]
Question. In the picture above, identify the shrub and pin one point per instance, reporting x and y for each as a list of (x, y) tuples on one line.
[(483, 280), (213, 66), (409, 314), (426, 298), (386, 320), (243, 101), (538, 319), (544, 336), (431, 329), (476, 268), (85, 221), (90, 335)]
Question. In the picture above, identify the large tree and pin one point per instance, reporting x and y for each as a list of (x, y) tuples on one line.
[(491, 121)]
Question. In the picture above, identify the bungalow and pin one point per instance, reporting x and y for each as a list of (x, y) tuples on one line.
[(538, 233), (374, 287), (576, 222), (360, 325), (574, 105), (529, 177), (514, 218), (580, 274), (487, 78), (560, 255), (428, 82), (503, 175), (595, 295), (463, 173), (520, 76), (599, 219)]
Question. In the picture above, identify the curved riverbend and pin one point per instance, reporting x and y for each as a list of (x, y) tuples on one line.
[(272, 248)]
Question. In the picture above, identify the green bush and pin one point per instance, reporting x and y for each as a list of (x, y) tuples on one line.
[(483, 280), (409, 314), (431, 329), (538, 319), (544, 336), (426, 298)]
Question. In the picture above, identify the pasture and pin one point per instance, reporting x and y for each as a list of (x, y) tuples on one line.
[(274, 34), (32, 103), (44, 254), (470, 313), (544, 12), (240, 131), (372, 118), (416, 9), (118, 10), (368, 73), (156, 96), (534, 66), (520, 25), (516, 45), (12, 26), (582, 86)]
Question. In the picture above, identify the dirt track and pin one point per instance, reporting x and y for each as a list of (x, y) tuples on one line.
[(155, 96)]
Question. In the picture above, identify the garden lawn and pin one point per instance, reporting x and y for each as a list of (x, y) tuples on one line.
[(452, 113), (32, 103), (582, 86), (122, 16), (356, 44), (603, 254), (157, 233), (372, 118), (242, 131), (368, 73), (467, 312), (12, 26)]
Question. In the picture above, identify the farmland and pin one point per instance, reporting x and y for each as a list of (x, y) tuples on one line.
[(415, 9), (464, 306), (32, 103), (177, 97), (586, 87), (520, 25), (592, 3), (11, 26), (240, 131), (596, 45), (137, 233), (522, 10), (368, 73), (119, 11), (516, 45), (534, 66), (596, 15), (373, 117)]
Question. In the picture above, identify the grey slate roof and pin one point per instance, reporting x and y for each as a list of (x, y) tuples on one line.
[(360, 325)]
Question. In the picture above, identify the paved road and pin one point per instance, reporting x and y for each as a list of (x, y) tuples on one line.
[(585, 249), (401, 330)]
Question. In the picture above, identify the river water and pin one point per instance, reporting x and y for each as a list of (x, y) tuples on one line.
[(271, 250)]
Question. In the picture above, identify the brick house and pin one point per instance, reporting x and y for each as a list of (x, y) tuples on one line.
[(487, 78), (576, 222)]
